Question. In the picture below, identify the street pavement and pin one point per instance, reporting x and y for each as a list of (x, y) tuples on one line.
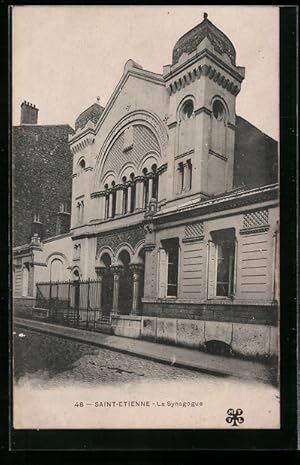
[(169, 355)]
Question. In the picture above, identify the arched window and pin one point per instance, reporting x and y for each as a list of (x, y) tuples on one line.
[(187, 110), (154, 193), (81, 165), (146, 188), (218, 110), (56, 270), (218, 128), (75, 275), (186, 127), (107, 200), (133, 193), (114, 200), (125, 196)]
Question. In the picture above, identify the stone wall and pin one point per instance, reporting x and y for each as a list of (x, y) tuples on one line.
[(237, 313), (23, 306), (242, 339)]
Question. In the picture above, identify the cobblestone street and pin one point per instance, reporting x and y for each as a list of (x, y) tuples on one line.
[(54, 360), (59, 382)]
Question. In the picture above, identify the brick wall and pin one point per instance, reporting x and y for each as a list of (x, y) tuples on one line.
[(42, 169), (253, 314)]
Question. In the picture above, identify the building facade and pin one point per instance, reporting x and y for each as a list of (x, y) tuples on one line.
[(42, 185), (174, 207)]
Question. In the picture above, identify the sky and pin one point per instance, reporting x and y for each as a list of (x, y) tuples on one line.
[(63, 57)]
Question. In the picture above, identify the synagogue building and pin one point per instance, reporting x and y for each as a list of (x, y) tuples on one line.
[(174, 232)]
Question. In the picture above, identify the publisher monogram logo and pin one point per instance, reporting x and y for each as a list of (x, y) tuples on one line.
[(235, 416)]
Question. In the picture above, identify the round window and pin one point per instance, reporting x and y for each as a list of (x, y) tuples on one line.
[(218, 110), (187, 110)]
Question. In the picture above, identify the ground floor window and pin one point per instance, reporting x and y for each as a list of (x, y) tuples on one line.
[(168, 276), (221, 263)]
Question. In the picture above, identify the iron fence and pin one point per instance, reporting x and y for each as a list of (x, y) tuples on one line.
[(74, 303)]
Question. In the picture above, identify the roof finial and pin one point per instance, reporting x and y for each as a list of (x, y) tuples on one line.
[(205, 15), (98, 99)]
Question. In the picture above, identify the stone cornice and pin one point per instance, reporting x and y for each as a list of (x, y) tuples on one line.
[(196, 57), (193, 239), (149, 247), (172, 125), (98, 194), (258, 229), (38, 264), (82, 140), (237, 199), (218, 155), (207, 70), (162, 168), (185, 154)]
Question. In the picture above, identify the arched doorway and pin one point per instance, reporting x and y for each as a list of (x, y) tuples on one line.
[(107, 289), (126, 284)]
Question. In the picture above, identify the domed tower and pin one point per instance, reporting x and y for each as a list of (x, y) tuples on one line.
[(203, 82)]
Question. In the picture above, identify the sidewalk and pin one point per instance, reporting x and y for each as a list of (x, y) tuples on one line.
[(171, 355)]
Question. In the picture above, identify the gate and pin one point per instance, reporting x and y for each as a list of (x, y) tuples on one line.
[(107, 295), (75, 303), (125, 292)]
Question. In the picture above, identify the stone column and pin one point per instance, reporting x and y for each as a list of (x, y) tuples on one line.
[(129, 189), (116, 272), (136, 271), (139, 193), (101, 207), (110, 204), (119, 200)]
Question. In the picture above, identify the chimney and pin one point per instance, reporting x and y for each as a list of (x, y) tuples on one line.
[(29, 113), (63, 219)]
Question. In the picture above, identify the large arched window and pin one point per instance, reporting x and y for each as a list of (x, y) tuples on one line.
[(56, 270)]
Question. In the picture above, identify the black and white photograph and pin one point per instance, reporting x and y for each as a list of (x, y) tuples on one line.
[(145, 259)]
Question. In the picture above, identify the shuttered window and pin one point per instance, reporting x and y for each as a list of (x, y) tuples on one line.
[(221, 253), (168, 276), (162, 275)]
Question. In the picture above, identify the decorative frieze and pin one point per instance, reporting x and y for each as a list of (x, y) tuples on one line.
[(255, 221), (83, 143), (196, 73), (193, 232), (131, 236)]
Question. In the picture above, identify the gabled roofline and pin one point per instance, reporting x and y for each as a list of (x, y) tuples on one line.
[(136, 72)]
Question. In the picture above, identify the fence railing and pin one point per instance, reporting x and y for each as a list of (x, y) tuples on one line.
[(76, 303)]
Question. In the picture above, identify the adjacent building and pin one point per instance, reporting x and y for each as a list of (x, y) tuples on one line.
[(42, 184)]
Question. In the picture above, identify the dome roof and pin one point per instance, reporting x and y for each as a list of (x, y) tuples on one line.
[(189, 42), (92, 113)]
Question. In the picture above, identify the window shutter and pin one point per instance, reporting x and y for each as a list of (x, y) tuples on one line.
[(162, 275), (211, 288)]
